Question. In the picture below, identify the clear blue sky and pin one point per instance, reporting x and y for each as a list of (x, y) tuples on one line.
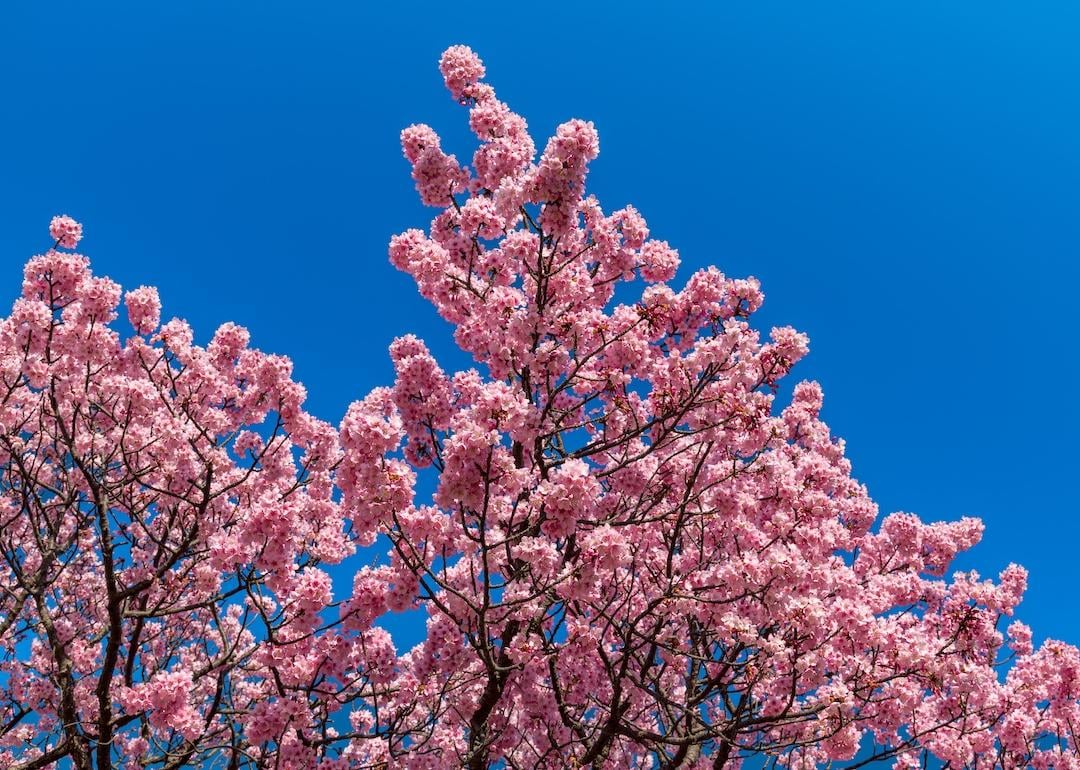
[(904, 177)]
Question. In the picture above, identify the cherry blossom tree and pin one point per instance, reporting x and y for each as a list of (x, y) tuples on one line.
[(163, 512), (632, 558)]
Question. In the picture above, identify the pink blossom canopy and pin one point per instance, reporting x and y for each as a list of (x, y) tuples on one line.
[(633, 557)]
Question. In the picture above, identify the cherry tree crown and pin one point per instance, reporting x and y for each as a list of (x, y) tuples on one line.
[(631, 556)]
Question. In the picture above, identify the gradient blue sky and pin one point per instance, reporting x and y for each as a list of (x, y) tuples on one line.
[(904, 178)]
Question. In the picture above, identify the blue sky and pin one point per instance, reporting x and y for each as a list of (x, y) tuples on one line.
[(904, 178)]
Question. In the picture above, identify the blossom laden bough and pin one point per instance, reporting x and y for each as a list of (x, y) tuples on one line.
[(633, 560), (164, 509)]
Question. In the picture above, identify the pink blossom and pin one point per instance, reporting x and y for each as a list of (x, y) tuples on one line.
[(460, 68), (658, 261), (144, 309), (65, 231)]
